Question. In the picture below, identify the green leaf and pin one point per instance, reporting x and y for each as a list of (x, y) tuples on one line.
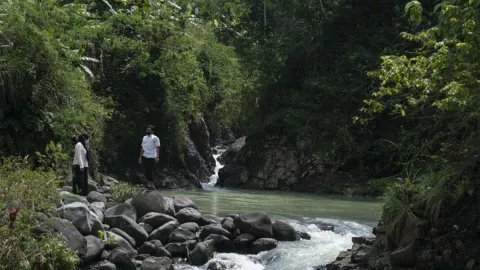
[(215, 22)]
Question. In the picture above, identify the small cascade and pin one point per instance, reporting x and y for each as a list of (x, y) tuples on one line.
[(214, 178)]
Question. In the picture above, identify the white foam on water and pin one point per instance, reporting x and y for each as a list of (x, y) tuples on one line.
[(218, 166)]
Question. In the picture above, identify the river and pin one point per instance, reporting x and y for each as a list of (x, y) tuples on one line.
[(350, 217)]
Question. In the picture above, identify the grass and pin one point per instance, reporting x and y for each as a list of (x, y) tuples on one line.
[(34, 191), (123, 191)]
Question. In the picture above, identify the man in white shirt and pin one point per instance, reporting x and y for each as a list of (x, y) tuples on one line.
[(149, 155)]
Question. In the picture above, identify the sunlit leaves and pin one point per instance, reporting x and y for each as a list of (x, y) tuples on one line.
[(414, 11)]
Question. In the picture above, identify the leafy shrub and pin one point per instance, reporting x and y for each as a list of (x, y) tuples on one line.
[(379, 187), (123, 191), (33, 191)]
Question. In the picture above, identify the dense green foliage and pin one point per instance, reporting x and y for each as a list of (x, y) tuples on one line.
[(34, 191)]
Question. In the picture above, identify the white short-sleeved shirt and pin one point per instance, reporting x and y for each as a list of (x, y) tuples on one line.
[(149, 145), (80, 157)]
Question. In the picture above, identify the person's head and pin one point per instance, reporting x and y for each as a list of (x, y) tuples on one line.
[(149, 129), (84, 139)]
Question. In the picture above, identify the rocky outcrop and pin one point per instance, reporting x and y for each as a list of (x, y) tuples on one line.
[(195, 163), (201, 138), (274, 165), (148, 233)]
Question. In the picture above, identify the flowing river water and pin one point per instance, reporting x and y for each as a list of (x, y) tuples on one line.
[(350, 217)]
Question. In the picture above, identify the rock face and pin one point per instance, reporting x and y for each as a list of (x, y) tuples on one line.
[(257, 224), (146, 202), (201, 138), (274, 165), (283, 231), (232, 150), (195, 163)]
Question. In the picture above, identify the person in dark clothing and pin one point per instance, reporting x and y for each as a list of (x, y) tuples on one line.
[(149, 155), (80, 166)]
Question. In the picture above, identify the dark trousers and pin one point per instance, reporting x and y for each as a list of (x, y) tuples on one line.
[(149, 167), (80, 181)]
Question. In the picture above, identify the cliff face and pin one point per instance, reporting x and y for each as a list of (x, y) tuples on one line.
[(452, 243), (274, 166)]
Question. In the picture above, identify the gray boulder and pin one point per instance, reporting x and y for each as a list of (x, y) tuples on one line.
[(95, 196), (208, 219), (103, 265), (148, 228), (243, 242), (69, 235), (404, 257), (156, 263), (178, 249), (258, 224), (221, 242), (68, 198), (79, 214), (122, 209), (227, 224), (125, 236), (283, 231), (129, 226), (191, 226), (180, 202), (98, 208), (188, 215), (202, 253), (121, 260), (116, 241), (152, 201), (263, 244), (181, 235), (95, 248), (214, 229), (156, 219), (164, 231)]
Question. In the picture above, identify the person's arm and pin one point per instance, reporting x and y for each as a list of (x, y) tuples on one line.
[(157, 144), (78, 155), (141, 154)]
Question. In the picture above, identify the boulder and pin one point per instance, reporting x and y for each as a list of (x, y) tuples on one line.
[(188, 215), (115, 241), (404, 257), (103, 265), (191, 226), (243, 242), (156, 263), (263, 244), (121, 260), (95, 196), (283, 231), (95, 248), (221, 242), (141, 257), (96, 223), (79, 214), (217, 265), (202, 252), (152, 201), (125, 236), (70, 235), (255, 223), (156, 219), (147, 227), (214, 229), (122, 209), (178, 249), (180, 202), (181, 235), (227, 224), (208, 219), (99, 209), (68, 198), (150, 247), (129, 226), (164, 231), (232, 150)]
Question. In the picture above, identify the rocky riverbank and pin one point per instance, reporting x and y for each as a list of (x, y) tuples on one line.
[(151, 231)]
